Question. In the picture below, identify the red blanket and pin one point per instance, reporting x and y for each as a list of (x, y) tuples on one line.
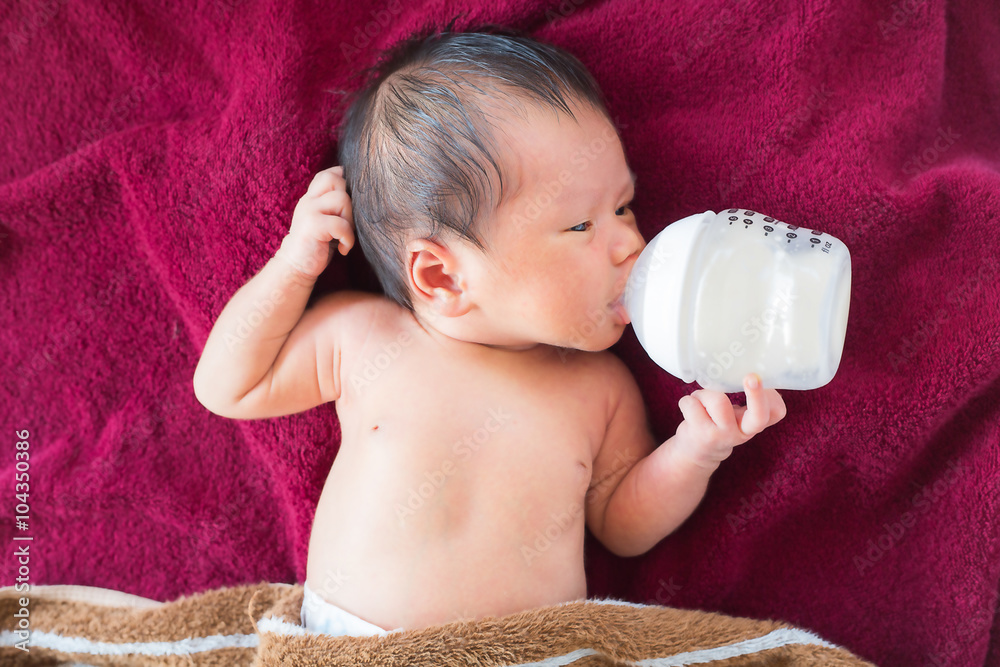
[(151, 160)]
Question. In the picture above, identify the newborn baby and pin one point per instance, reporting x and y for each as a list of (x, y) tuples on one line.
[(483, 423)]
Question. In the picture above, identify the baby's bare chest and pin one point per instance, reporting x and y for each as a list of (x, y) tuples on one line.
[(478, 434), (463, 402)]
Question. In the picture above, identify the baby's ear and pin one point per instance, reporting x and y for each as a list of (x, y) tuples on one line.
[(434, 278)]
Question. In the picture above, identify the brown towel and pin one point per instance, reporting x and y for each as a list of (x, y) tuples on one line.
[(259, 625)]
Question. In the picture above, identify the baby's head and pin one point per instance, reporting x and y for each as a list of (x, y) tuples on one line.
[(468, 158)]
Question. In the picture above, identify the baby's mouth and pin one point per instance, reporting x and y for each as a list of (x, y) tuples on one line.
[(618, 308)]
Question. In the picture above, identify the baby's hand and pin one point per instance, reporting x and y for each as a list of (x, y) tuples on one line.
[(713, 426), (322, 216)]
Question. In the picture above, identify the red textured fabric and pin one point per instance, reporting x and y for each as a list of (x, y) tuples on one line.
[(150, 162)]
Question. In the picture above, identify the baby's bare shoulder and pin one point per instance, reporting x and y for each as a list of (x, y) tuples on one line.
[(363, 315), (602, 373), (349, 319)]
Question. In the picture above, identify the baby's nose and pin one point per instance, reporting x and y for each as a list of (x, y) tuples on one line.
[(628, 243)]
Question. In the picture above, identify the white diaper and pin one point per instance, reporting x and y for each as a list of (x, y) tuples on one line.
[(320, 616)]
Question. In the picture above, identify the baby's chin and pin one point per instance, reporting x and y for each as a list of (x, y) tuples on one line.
[(598, 340)]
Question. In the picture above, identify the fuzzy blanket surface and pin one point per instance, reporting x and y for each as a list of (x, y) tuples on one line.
[(153, 154), (259, 625)]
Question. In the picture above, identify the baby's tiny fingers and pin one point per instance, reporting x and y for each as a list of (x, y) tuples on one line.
[(693, 410), (778, 409), (764, 408), (718, 407), (758, 413), (325, 181), (336, 202), (346, 243), (342, 231)]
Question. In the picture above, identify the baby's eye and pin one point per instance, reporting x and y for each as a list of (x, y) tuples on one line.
[(582, 227), (622, 209)]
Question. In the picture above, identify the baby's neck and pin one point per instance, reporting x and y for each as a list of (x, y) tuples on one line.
[(444, 338)]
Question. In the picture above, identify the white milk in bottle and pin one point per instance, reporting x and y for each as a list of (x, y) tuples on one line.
[(716, 296)]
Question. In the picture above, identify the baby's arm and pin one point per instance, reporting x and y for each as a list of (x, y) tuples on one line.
[(264, 357), (641, 492)]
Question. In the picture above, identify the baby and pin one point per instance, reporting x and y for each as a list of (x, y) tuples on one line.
[(483, 422)]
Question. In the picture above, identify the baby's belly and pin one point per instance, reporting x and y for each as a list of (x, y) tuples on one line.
[(441, 547)]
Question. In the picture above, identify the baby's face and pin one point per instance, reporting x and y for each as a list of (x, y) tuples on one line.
[(566, 244)]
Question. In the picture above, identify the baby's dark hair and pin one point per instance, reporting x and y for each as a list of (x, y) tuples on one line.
[(419, 153)]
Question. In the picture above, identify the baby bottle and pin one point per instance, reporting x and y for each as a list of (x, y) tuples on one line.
[(716, 296)]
